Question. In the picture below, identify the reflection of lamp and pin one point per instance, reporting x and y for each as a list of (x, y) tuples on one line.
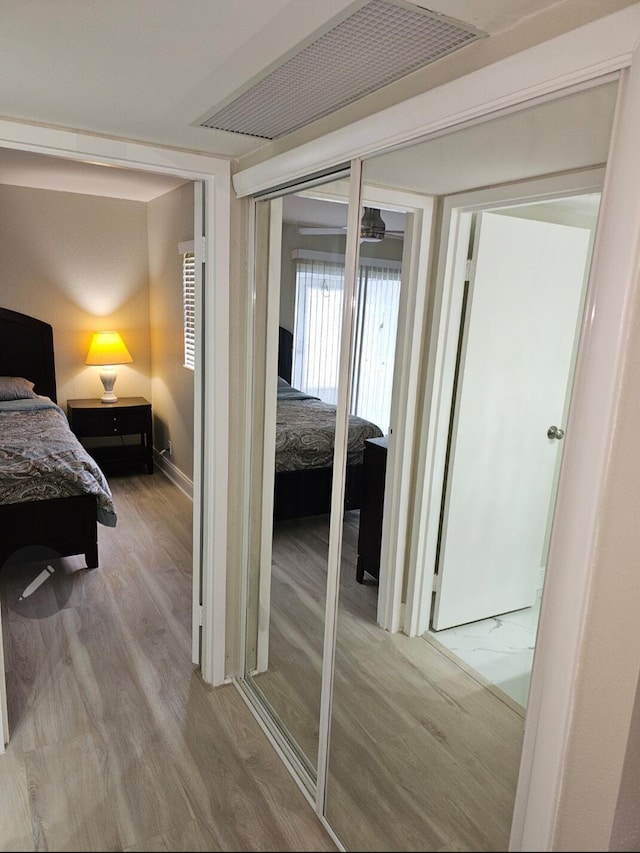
[(107, 349)]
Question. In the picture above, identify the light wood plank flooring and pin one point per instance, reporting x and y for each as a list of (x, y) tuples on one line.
[(115, 742), (424, 752)]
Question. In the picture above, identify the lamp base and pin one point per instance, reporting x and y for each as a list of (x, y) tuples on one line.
[(108, 378)]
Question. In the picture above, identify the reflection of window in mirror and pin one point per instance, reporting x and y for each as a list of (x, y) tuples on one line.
[(314, 309)]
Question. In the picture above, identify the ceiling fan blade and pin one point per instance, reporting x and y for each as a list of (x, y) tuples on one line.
[(320, 230)]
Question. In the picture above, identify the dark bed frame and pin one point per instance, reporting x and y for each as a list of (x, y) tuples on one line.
[(306, 492), (66, 525)]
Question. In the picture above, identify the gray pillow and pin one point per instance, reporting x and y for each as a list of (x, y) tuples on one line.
[(15, 388)]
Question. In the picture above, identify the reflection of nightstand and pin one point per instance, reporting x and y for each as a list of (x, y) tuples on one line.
[(374, 468), (118, 435)]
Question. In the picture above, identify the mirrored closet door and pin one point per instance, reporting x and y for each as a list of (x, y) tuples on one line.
[(359, 339), (425, 744), (299, 298)]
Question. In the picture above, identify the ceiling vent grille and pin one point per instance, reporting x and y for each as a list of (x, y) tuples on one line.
[(380, 42)]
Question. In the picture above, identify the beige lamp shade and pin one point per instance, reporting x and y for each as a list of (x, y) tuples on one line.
[(106, 350)]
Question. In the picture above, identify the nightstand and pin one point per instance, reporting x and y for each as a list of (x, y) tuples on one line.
[(118, 435), (374, 469)]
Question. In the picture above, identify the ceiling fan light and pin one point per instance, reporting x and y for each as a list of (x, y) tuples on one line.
[(372, 226)]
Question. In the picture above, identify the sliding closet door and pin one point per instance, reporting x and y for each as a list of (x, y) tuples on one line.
[(300, 245), (373, 700), (424, 752)]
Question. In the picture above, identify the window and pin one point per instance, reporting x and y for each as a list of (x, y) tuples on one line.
[(377, 306), (316, 336), (189, 306), (319, 291)]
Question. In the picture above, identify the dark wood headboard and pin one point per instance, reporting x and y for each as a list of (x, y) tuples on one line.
[(285, 353), (26, 349)]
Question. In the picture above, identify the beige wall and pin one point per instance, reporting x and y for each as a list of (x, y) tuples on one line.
[(83, 263), (79, 262), (170, 222)]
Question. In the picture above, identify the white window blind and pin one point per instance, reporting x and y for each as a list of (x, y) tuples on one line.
[(319, 294), (316, 337), (189, 304), (377, 305)]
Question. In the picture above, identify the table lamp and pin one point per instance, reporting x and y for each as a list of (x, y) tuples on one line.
[(107, 350)]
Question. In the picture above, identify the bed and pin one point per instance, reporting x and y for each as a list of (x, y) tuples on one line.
[(305, 430), (52, 492)]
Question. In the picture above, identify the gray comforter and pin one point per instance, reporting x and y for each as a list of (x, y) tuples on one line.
[(41, 458), (305, 432)]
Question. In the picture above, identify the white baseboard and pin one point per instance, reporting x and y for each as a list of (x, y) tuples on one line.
[(174, 474)]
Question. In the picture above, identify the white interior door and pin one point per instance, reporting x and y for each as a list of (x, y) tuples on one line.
[(520, 330)]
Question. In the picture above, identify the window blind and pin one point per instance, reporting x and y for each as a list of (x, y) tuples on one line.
[(189, 304), (318, 312)]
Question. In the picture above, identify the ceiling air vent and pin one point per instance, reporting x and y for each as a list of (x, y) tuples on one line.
[(378, 43)]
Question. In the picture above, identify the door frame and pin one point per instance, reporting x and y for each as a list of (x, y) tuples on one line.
[(458, 211), (274, 274), (211, 376), (404, 434)]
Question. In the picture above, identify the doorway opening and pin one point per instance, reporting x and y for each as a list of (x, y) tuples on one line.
[(523, 293)]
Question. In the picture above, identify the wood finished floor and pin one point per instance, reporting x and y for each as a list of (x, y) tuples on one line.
[(116, 744), (424, 753)]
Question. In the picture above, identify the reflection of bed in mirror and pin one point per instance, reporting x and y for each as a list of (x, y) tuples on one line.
[(305, 430), (52, 493)]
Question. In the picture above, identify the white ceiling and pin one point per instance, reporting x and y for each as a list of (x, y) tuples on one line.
[(149, 70)]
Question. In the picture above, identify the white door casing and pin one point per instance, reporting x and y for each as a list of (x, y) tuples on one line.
[(404, 432), (270, 411)]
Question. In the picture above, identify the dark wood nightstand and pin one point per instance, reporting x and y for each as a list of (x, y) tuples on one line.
[(118, 435), (374, 469)]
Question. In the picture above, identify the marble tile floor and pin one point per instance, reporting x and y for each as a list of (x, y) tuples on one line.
[(500, 648)]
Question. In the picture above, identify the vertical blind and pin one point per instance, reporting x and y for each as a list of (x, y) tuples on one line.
[(317, 327), (189, 304)]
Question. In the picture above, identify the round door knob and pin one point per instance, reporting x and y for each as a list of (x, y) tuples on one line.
[(555, 432)]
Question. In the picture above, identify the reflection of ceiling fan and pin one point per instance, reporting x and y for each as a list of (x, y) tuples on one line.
[(372, 228)]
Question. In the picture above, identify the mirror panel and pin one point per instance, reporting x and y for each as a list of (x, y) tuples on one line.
[(425, 743), (300, 248)]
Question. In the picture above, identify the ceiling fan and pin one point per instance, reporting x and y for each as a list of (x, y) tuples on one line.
[(372, 228)]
